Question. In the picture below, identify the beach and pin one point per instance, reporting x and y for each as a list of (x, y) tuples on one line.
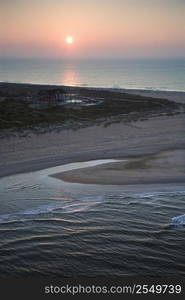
[(120, 140), (164, 167)]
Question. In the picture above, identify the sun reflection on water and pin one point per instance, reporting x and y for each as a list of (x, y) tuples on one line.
[(70, 76)]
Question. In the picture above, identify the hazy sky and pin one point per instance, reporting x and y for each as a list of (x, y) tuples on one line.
[(101, 28)]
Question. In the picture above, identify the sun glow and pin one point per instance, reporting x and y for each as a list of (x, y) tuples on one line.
[(69, 39)]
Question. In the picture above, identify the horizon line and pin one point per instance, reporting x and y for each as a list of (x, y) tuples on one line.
[(91, 58)]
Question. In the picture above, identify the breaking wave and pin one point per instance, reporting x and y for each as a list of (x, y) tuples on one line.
[(72, 206), (179, 220)]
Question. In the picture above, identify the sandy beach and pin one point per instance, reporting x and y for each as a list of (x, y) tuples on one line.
[(163, 167), (142, 138), (153, 145)]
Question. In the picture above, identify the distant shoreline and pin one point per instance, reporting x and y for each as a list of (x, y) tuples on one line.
[(36, 107), (135, 75), (174, 95)]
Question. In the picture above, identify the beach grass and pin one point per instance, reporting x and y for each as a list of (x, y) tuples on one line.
[(17, 111)]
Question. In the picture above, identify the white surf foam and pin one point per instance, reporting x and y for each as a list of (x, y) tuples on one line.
[(72, 206), (179, 220)]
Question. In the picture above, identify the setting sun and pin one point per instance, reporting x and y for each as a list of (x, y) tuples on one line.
[(69, 40)]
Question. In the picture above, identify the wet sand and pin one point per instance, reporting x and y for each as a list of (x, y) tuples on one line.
[(163, 167)]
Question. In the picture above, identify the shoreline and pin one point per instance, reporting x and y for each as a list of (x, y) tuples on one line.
[(29, 166), (118, 141), (160, 168), (114, 139), (179, 95)]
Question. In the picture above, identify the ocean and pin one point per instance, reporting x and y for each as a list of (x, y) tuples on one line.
[(145, 74), (53, 228)]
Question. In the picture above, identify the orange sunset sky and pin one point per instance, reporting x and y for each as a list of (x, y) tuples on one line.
[(98, 28)]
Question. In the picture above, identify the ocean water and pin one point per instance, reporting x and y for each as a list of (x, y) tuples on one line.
[(49, 227), (149, 74)]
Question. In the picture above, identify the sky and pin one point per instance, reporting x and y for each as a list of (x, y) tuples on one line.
[(100, 28)]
